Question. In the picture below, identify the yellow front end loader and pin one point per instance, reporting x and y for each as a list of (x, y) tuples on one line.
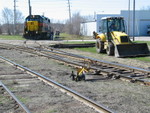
[(114, 41)]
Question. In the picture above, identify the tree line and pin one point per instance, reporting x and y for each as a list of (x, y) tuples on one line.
[(7, 23)]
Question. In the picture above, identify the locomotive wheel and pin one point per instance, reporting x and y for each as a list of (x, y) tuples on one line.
[(110, 49), (100, 46)]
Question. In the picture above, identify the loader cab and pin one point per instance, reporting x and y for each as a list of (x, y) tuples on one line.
[(111, 24)]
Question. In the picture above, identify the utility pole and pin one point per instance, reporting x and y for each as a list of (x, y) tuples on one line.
[(129, 18), (69, 11), (29, 7), (133, 20), (14, 17)]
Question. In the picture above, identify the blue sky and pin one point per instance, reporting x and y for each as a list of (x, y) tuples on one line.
[(58, 9)]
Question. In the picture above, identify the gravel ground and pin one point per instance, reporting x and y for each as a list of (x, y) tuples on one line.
[(122, 97), (35, 94), (125, 61)]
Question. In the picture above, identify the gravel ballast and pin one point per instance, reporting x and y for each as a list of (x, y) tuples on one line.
[(120, 96)]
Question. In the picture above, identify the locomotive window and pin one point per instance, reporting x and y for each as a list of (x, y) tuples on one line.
[(34, 19), (48, 20)]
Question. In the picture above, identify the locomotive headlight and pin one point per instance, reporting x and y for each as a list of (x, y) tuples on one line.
[(26, 32), (36, 32)]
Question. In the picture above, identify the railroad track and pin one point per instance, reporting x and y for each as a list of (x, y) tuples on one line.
[(9, 102), (114, 70), (109, 69), (85, 100)]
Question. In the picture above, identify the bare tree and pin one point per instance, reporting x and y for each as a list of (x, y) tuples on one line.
[(58, 26), (8, 21), (68, 27), (19, 17), (73, 27), (89, 18), (0, 29), (19, 22)]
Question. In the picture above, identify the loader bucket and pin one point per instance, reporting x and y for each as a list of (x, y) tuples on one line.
[(131, 50)]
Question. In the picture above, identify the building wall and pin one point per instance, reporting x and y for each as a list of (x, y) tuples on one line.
[(142, 19), (87, 28)]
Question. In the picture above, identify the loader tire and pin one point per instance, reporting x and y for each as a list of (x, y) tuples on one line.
[(100, 46), (110, 49)]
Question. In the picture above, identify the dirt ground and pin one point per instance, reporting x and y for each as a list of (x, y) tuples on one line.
[(125, 61), (121, 97), (35, 94)]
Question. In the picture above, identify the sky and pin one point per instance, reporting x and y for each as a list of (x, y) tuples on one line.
[(58, 10)]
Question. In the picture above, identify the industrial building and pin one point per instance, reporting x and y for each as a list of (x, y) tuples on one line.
[(142, 20)]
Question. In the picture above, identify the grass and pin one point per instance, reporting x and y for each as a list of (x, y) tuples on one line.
[(148, 42), (93, 50), (79, 42), (147, 59), (50, 111), (65, 36), (22, 99), (3, 99), (11, 37), (89, 49)]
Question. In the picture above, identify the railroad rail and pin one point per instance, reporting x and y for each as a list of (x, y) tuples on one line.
[(16, 100), (114, 70), (87, 101)]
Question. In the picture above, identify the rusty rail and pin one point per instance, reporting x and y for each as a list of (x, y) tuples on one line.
[(15, 98), (114, 70), (98, 107)]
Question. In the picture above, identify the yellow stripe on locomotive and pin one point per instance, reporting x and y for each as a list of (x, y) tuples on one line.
[(32, 25)]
